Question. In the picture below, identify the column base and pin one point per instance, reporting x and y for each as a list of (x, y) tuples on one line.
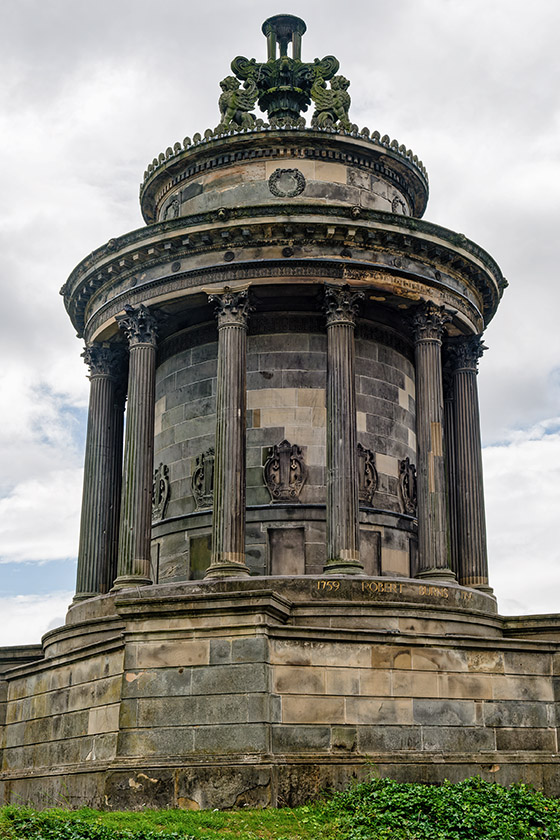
[(437, 574), (130, 581), (343, 567), (226, 569)]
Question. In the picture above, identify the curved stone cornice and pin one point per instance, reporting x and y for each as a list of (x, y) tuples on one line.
[(376, 239)]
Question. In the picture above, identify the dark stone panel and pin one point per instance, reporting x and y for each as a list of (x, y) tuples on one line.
[(187, 375), (264, 379), (304, 379), (230, 679), (467, 739), (381, 738), (532, 740), (444, 712), (516, 713), (249, 649), (244, 739), (300, 739)]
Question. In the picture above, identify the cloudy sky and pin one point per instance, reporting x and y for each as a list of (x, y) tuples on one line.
[(90, 92)]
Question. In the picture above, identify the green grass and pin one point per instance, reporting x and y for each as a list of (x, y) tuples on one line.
[(380, 809)]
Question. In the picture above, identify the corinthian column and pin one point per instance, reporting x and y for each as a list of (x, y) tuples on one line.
[(99, 524), (429, 322), (473, 559), (228, 517), (450, 464), (343, 552), (140, 328)]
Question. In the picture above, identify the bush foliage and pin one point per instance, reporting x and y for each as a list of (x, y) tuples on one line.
[(380, 809)]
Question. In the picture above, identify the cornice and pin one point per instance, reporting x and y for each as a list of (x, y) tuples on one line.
[(355, 230)]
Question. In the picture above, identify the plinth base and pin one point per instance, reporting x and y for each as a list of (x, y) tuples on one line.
[(264, 691)]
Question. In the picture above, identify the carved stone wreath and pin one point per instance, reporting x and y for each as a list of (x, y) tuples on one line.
[(286, 183)]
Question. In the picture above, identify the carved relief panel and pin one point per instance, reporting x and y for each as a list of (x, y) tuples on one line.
[(160, 492), (367, 476), (203, 480), (407, 487), (285, 472)]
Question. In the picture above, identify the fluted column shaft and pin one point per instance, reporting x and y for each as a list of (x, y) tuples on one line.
[(343, 547), (450, 467), (473, 558), (98, 526), (228, 518), (140, 328), (432, 514)]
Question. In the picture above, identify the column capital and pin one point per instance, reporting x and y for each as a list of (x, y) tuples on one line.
[(429, 321), (465, 352), (341, 304), (105, 360), (140, 325), (232, 307)]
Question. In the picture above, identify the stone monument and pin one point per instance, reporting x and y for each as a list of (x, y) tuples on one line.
[(282, 571)]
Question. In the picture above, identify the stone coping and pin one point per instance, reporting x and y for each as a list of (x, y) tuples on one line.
[(164, 170)]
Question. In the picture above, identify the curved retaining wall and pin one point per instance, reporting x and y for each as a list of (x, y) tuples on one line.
[(264, 691)]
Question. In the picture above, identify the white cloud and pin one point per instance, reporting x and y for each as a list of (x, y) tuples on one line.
[(522, 484), (40, 518), (26, 618)]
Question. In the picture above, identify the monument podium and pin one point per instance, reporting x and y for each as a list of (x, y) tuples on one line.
[(287, 582)]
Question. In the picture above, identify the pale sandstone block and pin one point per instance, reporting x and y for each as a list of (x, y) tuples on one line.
[(278, 416), (288, 653), (288, 679), (374, 682), (361, 421), (413, 684), (412, 440), (272, 398), (315, 456), (373, 710), (335, 172), (305, 435), (313, 397), (174, 653), (489, 661), (427, 659), (403, 398), (393, 560), (343, 681), (312, 709), (390, 656), (387, 464), (466, 686), (409, 387), (103, 719), (304, 415), (159, 411), (346, 656), (523, 688), (319, 417)]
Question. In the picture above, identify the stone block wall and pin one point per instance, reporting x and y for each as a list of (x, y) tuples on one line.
[(216, 696), (286, 400)]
